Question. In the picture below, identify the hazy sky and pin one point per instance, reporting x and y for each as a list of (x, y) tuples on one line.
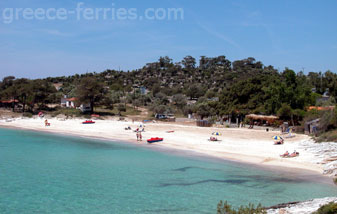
[(297, 34)]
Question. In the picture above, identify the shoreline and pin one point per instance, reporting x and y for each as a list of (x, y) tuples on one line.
[(291, 172), (237, 145)]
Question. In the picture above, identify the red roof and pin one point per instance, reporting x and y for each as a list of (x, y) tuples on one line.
[(72, 99), (9, 101), (321, 108)]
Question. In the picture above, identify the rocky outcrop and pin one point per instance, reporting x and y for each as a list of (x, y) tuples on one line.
[(325, 153), (305, 207)]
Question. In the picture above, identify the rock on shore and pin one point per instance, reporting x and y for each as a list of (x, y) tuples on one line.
[(306, 207)]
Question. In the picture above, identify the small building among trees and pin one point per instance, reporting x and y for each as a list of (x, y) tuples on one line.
[(8, 103), (69, 102), (262, 119)]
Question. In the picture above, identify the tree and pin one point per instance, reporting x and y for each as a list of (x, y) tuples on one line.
[(285, 112), (161, 109), (179, 100), (203, 110), (161, 98), (89, 90), (136, 103), (188, 62), (42, 92), (121, 107), (165, 62), (195, 91), (7, 82)]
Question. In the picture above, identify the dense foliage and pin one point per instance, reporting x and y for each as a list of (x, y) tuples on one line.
[(330, 208), (213, 88), (225, 208)]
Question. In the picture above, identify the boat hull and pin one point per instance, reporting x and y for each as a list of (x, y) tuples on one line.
[(155, 140), (88, 122)]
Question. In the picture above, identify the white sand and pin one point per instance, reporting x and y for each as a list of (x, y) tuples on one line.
[(244, 145)]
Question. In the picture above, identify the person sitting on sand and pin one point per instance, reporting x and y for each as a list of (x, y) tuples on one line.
[(213, 139), (46, 123), (281, 141), (294, 154), (286, 154)]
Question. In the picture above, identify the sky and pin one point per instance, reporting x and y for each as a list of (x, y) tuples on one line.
[(301, 34)]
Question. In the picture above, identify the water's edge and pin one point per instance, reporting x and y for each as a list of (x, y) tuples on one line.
[(300, 174)]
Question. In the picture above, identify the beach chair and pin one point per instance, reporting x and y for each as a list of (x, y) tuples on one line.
[(287, 131), (290, 134)]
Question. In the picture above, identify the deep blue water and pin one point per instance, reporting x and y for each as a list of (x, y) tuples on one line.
[(44, 173)]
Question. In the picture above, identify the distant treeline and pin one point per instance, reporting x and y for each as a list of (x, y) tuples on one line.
[(214, 87)]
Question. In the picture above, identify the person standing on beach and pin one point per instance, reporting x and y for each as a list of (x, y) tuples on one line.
[(140, 136), (137, 134)]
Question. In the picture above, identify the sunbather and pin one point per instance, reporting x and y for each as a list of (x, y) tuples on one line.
[(286, 154), (279, 142), (213, 139), (46, 123), (294, 154)]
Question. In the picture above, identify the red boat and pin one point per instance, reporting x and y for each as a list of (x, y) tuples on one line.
[(88, 122), (155, 139)]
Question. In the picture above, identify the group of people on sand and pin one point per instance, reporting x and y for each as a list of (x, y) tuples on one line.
[(139, 136), (287, 155)]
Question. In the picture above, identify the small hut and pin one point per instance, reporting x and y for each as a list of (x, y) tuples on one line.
[(8, 103), (204, 123), (312, 127), (262, 119)]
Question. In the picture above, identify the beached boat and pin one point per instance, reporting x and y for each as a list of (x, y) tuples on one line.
[(88, 122), (155, 139)]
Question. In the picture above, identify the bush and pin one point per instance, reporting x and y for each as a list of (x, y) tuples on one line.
[(225, 208), (27, 114), (330, 136), (121, 108), (69, 112), (330, 208)]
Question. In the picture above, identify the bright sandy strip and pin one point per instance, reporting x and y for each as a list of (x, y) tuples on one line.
[(244, 145)]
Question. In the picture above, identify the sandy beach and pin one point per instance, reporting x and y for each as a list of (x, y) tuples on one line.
[(237, 144)]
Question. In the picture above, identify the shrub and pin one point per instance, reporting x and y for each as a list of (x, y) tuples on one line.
[(330, 136), (70, 112), (121, 107), (330, 208), (87, 116), (225, 208), (27, 114)]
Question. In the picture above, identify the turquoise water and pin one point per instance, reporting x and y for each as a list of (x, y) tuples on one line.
[(42, 173)]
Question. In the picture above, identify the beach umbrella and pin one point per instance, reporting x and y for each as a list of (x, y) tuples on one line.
[(277, 138), (216, 133)]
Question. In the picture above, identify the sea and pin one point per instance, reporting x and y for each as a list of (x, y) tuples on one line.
[(52, 173)]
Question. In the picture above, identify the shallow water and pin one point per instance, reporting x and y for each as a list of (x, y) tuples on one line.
[(44, 173)]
